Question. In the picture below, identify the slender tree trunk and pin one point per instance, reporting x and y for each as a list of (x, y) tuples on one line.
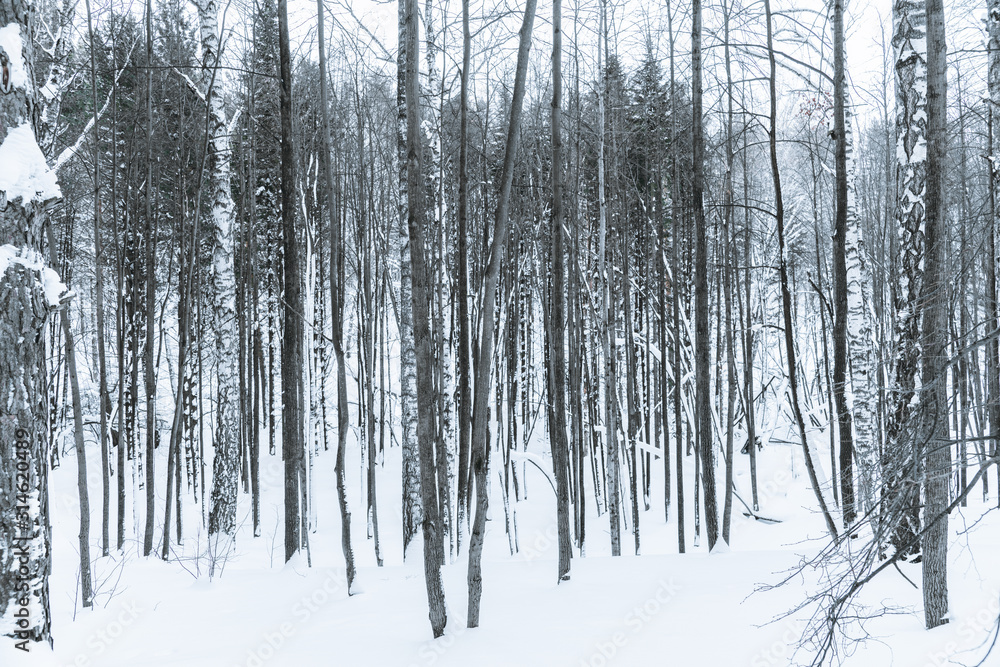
[(934, 441), (728, 286), (102, 372), (148, 370), (675, 289), (336, 304), (86, 585), (703, 396), (464, 323), (292, 391), (900, 493), (426, 419), (557, 330), (786, 298), (993, 311), (484, 363), (840, 272), (607, 335), (407, 371)]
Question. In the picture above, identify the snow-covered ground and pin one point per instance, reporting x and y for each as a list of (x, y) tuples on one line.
[(661, 608)]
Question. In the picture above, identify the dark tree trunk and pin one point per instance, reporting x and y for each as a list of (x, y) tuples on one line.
[(557, 330), (149, 372), (292, 436), (702, 354), (936, 454), (464, 325), (484, 363), (336, 306), (421, 297), (786, 297), (840, 272)]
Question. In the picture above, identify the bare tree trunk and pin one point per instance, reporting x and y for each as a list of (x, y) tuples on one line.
[(557, 330), (484, 366), (727, 287), (607, 335), (149, 371), (993, 311), (336, 304), (407, 371), (86, 586), (786, 298), (934, 438), (427, 418), (900, 493), (840, 272), (225, 466), (675, 287), (703, 396), (464, 323), (292, 391), (104, 398)]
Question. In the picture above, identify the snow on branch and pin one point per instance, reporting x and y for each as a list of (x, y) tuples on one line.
[(70, 151), (55, 289), (24, 173), (11, 60)]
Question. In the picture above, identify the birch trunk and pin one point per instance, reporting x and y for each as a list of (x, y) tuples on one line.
[(412, 514), (900, 497), (225, 468)]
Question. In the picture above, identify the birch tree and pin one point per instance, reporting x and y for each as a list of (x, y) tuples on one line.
[(900, 497), (218, 196)]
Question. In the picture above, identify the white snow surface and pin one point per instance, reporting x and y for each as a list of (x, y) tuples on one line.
[(55, 289), (24, 172), (10, 41), (661, 608)]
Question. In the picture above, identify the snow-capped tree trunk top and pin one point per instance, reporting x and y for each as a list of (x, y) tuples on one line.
[(27, 185)]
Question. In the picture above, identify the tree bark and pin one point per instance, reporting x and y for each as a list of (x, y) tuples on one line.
[(934, 445), (557, 330), (840, 272), (149, 372), (407, 370), (225, 466), (900, 493), (421, 297), (703, 398), (24, 310), (464, 323), (292, 391)]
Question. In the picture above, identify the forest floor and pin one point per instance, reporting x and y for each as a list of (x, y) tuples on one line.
[(658, 608)]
